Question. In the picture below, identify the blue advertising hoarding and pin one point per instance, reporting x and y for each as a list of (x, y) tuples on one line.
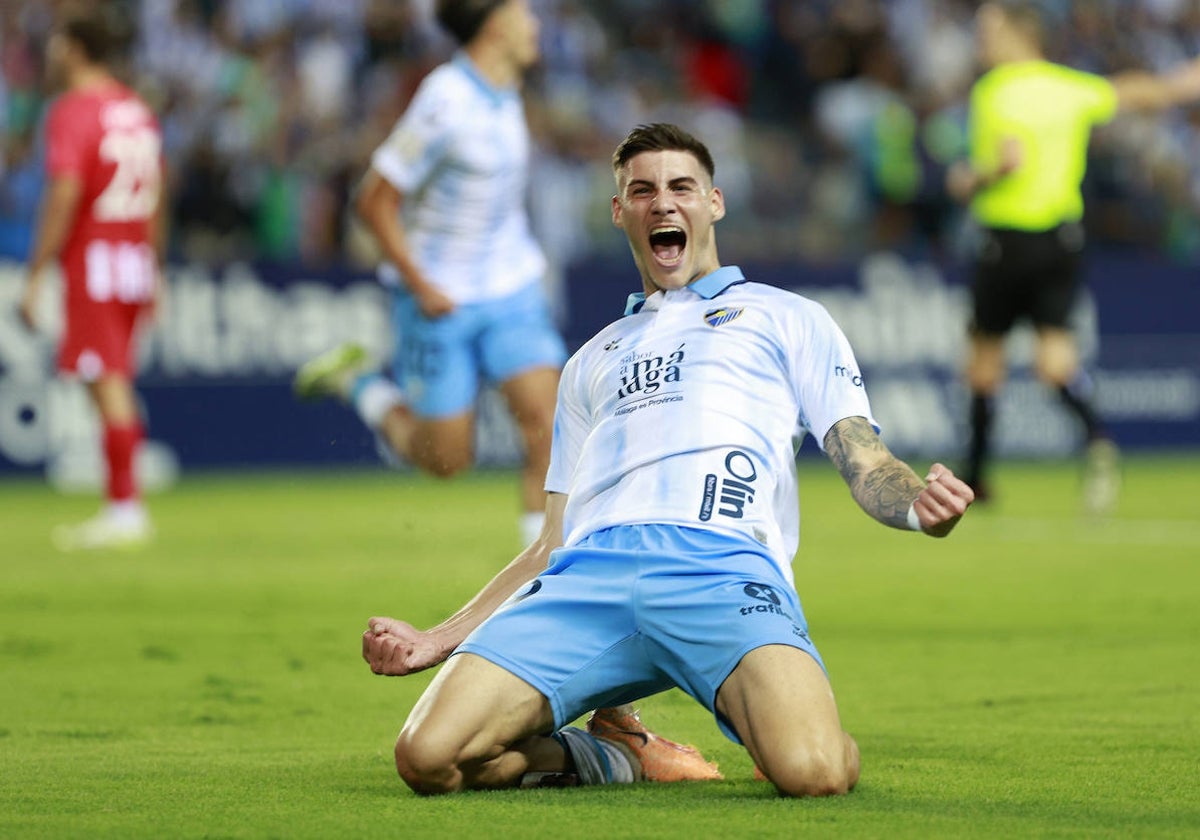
[(217, 366)]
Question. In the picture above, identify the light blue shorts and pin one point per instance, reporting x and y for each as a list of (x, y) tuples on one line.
[(634, 610), (440, 364)]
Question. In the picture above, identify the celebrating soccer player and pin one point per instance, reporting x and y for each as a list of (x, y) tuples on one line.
[(672, 522)]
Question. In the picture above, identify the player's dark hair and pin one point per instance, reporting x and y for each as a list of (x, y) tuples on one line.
[(661, 137), (99, 30), (464, 18)]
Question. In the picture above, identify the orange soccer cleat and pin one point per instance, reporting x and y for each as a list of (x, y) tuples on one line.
[(662, 760)]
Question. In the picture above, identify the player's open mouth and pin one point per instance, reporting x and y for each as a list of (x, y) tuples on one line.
[(667, 243)]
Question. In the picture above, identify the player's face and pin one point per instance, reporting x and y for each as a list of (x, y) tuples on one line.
[(520, 26), (667, 206)]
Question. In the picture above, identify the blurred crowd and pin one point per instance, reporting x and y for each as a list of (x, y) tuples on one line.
[(832, 121)]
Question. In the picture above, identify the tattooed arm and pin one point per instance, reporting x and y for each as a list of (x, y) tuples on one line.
[(887, 488)]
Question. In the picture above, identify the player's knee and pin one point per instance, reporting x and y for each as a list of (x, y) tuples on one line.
[(446, 462), (426, 767), (448, 468), (1055, 372), (537, 429), (537, 421), (812, 774)]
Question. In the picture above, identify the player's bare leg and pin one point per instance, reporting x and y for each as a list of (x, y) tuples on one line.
[(1056, 357), (115, 400), (531, 397), (478, 726), (442, 447), (780, 703), (473, 728)]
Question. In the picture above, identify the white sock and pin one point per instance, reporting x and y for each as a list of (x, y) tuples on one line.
[(374, 398), (531, 525)]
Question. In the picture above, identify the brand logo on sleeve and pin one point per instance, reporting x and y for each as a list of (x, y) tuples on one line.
[(844, 372)]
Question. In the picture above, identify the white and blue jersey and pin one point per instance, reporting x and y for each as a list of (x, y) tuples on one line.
[(690, 410), (675, 437), (460, 156)]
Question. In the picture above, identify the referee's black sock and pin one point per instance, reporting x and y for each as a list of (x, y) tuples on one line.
[(1077, 396), (980, 445)]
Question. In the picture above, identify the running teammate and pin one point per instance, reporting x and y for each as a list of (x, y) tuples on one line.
[(101, 219), (445, 199), (672, 522)]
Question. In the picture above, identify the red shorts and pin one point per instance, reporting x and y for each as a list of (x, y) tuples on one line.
[(105, 296)]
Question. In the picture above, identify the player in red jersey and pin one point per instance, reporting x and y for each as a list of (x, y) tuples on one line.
[(101, 218)]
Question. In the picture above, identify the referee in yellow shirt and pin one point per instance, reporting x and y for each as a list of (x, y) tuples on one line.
[(1030, 121)]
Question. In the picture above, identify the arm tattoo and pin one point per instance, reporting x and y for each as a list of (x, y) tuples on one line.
[(884, 486)]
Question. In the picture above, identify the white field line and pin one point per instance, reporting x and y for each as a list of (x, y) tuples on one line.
[(1165, 532)]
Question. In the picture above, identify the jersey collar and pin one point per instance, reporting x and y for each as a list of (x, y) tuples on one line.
[(497, 95), (707, 287)]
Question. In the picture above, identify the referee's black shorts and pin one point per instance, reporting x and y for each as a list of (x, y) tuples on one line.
[(1032, 275)]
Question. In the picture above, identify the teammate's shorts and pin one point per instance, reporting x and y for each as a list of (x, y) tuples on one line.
[(98, 339), (634, 610), (441, 363), (108, 285), (1026, 275)]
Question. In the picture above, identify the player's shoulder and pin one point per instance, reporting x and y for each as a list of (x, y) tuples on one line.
[(71, 102), (779, 311), (113, 101), (1040, 72), (448, 83), (775, 299), (442, 99)]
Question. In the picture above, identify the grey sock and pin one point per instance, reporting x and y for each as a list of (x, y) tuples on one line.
[(597, 761)]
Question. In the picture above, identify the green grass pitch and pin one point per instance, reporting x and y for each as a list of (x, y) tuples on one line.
[(1037, 674)]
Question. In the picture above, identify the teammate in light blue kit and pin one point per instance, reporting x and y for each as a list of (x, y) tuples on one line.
[(673, 481), (445, 200)]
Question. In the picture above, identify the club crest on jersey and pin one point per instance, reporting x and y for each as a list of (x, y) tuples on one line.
[(717, 317)]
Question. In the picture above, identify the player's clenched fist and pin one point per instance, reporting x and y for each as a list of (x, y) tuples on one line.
[(942, 502), (395, 648)]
